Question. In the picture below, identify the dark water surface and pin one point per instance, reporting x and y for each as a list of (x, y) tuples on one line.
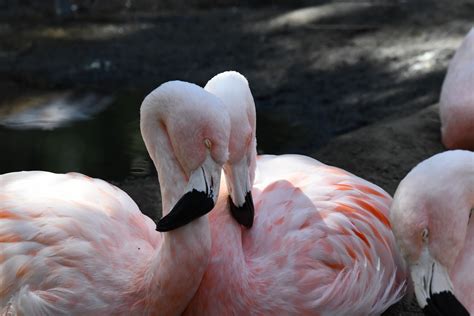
[(97, 135), (105, 145)]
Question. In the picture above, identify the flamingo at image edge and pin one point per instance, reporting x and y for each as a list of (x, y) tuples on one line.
[(457, 98), (320, 241), (432, 220), (73, 245)]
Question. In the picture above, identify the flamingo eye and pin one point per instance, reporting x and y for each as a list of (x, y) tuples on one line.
[(425, 234), (207, 143)]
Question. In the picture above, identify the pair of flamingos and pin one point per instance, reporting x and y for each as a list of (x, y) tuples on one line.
[(319, 242)]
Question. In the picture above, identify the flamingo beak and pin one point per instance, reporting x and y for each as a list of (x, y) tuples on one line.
[(199, 198), (433, 288), (243, 214), (240, 199)]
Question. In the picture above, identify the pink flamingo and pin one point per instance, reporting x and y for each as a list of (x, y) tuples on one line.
[(431, 218), (73, 245), (321, 242), (457, 98)]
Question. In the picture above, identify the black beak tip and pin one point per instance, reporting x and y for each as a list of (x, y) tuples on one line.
[(243, 214), (191, 206), (165, 225), (444, 304)]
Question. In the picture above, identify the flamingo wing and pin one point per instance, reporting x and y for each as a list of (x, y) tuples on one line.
[(324, 235)]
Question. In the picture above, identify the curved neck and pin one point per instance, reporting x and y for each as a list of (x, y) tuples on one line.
[(231, 277), (174, 272), (171, 176), (471, 184), (252, 154), (466, 177), (453, 203)]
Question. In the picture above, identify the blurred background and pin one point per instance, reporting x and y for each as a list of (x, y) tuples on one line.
[(352, 83)]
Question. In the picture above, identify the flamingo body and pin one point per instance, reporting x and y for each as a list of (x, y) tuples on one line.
[(69, 244), (457, 98), (321, 244)]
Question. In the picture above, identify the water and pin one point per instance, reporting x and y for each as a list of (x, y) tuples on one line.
[(65, 133), (99, 135)]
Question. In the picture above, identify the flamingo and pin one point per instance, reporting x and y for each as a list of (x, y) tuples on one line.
[(431, 218), (320, 241), (457, 98), (74, 245)]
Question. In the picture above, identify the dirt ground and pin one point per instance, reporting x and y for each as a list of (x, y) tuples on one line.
[(351, 83)]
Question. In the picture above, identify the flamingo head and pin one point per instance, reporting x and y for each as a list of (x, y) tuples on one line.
[(430, 215), (233, 89), (186, 133)]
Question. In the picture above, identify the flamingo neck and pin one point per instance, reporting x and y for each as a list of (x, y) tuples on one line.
[(463, 259), (172, 276), (174, 273), (467, 179), (170, 279), (454, 205), (471, 187), (229, 281)]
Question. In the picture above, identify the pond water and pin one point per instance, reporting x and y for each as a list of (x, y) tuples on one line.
[(58, 136), (98, 135)]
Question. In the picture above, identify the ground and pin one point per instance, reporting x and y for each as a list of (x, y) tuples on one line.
[(353, 84)]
